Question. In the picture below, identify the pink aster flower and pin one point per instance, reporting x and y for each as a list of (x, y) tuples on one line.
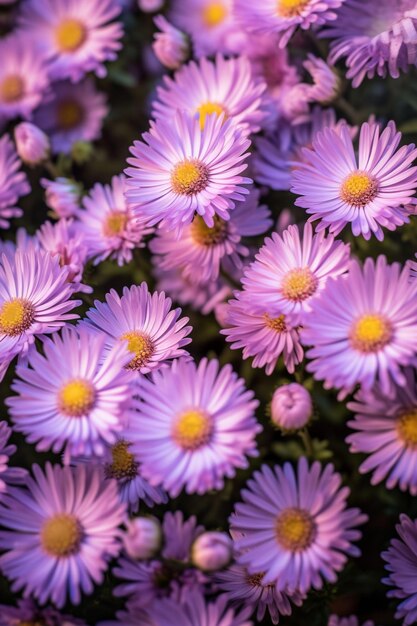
[(34, 300), (200, 251), (401, 563), (61, 531), (352, 620), (27, 612), (62, 196), (291, 270), (285, 16), (76, 37), (154, 332), (107, 224), (179, 170), (75, 113), (196, 426), (23, 77), (386, 430), (262, 337), (364, 328), (8, 475), (171, 46), (223, 86), (368, 191), (13, 183), (295, 526), (375, 38)]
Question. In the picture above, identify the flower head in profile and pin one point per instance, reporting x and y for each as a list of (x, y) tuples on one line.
[(62, 195), (13, 182), (196, 426), (295, 527), (171, 46), (8, 475), (60, 532), (372, 336), (107, 223), (79, 394), (368, 191), (76, 37), (179, 170), (326, 82)]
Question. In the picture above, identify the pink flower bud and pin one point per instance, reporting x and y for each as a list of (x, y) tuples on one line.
[(171, 46), (150, 6), (143, 537), (62, 196), (31, 143), (291, 407), (212, 551)]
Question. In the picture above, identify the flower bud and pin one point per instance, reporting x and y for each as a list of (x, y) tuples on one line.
[(291, 407), (62, 196), (212, 551), (171, 46), (143, 537), (150, 6), (32, 144)]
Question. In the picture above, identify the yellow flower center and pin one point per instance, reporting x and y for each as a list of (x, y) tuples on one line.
[(115, 223), (207, 108), (192, 429), (69, 114), (407, 427), (299, 284), (189, 177), (70, 35), (16, 316), (61, 535), (214, 13), (12, 88), (295, 529), (76, 398), (358, 189), (141, 346), (291, 8), (370, 333), (123, 463), (206, 236), (277, 323)]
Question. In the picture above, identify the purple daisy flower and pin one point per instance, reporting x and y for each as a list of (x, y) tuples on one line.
[(401, 559), (74, 396), (200, 251), (335, 620), (13, 183), (8, 475), (62, 195), (285, 16), (262, 337), (387, 432), (225, 86), (75, 113), (154, 332), (34, 300), (375, 38), (179, 170), (77, 37), (27, 612), (368, 191), (195, 426), (23, 77), (371, 336), (109, 228), (295, 527), (60, 533), (291, 271), (241, 587)]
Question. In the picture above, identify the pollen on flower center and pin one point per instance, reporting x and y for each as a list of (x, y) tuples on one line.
[(407, 427), (114, 224), (291, 8), (206, 236), (207, 108), (69, 114), (141, 346), (61, 535), (76, 398), (370, 333), (295, 529), (192, 429), (123, 463), (299, 284), (16, 316), (11, 88), (70, 35), (189, 177), (276, 323), (358, 189), (214, 13)]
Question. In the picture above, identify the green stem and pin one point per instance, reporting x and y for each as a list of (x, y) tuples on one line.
[(307, 442)]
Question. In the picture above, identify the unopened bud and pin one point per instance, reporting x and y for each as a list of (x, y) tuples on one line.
[(32, 144), (212, 551), (291, 407), (171, 46), (143, 537)]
